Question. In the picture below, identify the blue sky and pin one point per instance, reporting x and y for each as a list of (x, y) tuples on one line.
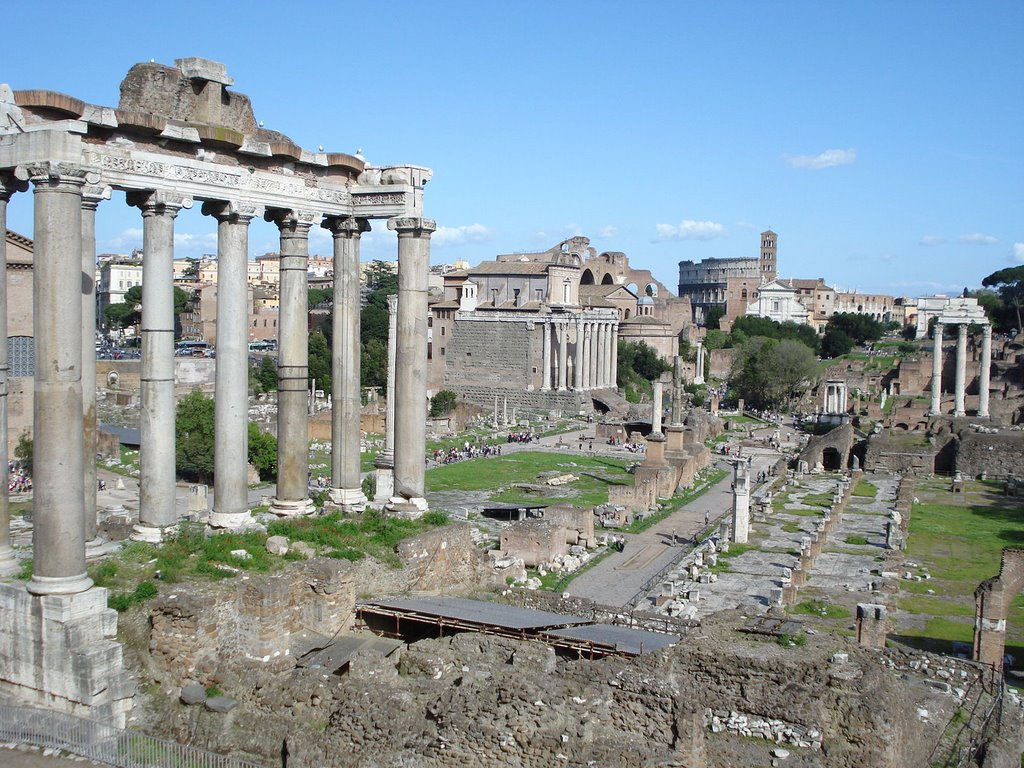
[(883, 141)]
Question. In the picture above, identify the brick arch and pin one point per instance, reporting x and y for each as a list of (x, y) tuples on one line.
[(992, 601)]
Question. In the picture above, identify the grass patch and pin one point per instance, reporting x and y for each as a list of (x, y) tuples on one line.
[(866, 489), (943, 629), (820, 608), (792, 527), (595, 474), (931, 605), (800, 512), (823, 499), (856, 539)]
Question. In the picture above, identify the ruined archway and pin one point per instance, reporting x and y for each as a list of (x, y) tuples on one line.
[(587, 278), (831, 459), (992, 602), (608, 279)]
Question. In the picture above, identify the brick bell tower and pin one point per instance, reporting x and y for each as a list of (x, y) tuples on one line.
[(768, 261)]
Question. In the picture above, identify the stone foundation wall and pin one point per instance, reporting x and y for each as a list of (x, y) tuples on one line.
[(900, 453), (195, 630), (578, 523), (534, 541), (443, 558), (1000, 455), (489, 353)]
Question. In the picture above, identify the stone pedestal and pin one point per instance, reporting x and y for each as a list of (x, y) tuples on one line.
[(59, 651), (871, 625), (741, 504)]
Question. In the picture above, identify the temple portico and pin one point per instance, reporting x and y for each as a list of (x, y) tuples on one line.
[(961, 312), (177, 136)]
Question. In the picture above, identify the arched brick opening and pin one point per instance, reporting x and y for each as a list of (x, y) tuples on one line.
[(587, 278), (608, 279), (992, 601), (831, 459)]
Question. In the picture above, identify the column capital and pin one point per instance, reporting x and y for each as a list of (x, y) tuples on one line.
[(290, 222), (55, 174), (233, 211), (9, 184), (392, 304), (158, 202), (412, 226), (93, 195), (345, 226)]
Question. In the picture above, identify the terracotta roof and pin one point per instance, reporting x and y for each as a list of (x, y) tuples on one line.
[(509, 268)]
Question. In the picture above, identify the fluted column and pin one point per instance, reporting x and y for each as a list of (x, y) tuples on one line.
[(615, 356), (562, 329), (961, 369), (578, 358), (936, 406), (58, 532), (385, 462), (698, 376), (606, 332), (984, 375), (156, 455), (411, 358), (586, 355), (231, 399), (91, 197), (545, 345), (593, 349), (677, 390), (8, 186), (346, 486), (657, 407), (293, 365)]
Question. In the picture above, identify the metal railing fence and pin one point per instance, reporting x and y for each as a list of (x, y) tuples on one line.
[(104, 743)]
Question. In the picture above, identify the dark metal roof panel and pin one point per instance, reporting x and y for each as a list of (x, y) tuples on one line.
[(479, 612), (624, 639)]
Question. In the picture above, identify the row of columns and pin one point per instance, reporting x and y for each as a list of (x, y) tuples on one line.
[(64, 509), (835, 397), (984, 374), (595, 356)]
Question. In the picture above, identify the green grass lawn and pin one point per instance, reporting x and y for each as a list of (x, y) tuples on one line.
[(959, 540), (865, 489), (595, 474)]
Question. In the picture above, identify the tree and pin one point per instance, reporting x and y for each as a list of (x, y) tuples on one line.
[(860, 328), (836, 342), (23, 451), (320, 361), (126, 312), (639, 359), (192, 270), (262, 452), (266, 374), (318, 296), (374, 364), (716, 339), (193, 434), (749, 326), (442, 403), (772, 373), (1009, 284), (713, 316)]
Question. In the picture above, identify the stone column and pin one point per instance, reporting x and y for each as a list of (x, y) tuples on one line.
[(984, 375), (545, 345), (615, 356), (293, 365), (385, 462), (8, 186), (91, 197), (411, 359), (231, 402), (657, 407), (562, 329), (587, 355), (595, 356), (936, 406), (741, 503), (157, 475), (58, 533), (602, 361), (608, 373), (677, 390), (578, 358), (698, 376), (961, 369), (346, 486)]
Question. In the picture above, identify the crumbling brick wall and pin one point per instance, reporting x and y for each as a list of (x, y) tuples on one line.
[(443, 558), (535, 541)]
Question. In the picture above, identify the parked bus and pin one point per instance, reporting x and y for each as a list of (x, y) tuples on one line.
[(192, 349)]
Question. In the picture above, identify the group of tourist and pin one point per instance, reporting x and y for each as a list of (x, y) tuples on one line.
[(18, 481), (523, 436), (467, 451)]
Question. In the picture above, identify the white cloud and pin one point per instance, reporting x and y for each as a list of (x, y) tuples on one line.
[(1018, 251), (688, 229), (978, 238), (126, 239), (205, 242), (830, 158), (468, 233), (931, 240), (607, 232)]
